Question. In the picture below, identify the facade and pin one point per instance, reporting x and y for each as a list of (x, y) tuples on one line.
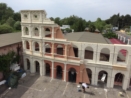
[(10, 42), (47, 52)]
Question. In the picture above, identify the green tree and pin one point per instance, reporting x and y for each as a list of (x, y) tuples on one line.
[(99, 24), (17, 16), (10, 21), (92, 27), (17, 25), (5, 29), (5, 12)]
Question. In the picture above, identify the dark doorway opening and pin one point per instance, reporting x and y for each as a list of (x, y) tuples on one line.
[(72, 75), (37, 66), (89, 73), (59, 72), (48, 71), (28, 64)]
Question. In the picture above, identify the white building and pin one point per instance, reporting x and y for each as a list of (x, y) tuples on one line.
[(45, 50)]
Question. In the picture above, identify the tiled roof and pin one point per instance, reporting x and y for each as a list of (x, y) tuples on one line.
[(9, 38)]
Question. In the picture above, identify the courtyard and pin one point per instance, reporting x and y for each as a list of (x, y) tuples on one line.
[(34, 86)]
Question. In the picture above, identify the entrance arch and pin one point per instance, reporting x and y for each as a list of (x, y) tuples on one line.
[(48, 70), (102, 78), (89, 73), (59, 72), (72, 75), (28, 64), (37, 67), (118, 81)]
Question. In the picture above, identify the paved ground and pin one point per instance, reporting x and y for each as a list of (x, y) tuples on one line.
[(34, 86)]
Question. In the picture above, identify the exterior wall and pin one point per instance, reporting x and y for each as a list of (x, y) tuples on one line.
[(68, 60), (6, 49)]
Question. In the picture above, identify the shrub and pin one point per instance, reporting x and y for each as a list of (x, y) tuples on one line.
[(17, 25), (5, 29)]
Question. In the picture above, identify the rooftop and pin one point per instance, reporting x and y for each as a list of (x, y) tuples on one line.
[(10, 38), (86, 37)]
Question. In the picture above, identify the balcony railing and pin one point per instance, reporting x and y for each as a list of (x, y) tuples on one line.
[(48, 54)]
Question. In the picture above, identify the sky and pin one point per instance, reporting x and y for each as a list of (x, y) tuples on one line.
[(87, 9)]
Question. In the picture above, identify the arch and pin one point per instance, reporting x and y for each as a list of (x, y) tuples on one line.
[(47, 29), (118, 80), (26, 31), (102, 78), (47, 48), (47, 32), (27, 45), (60, 49), (36, 46), (37, 67), (104, 55), (122, 56), (72, 75), (36, 31), (59, 72), (28, 64), (89, 73), (76, 50), (89, 53), (48, 69)]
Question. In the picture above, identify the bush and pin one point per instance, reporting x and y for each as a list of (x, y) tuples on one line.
[(17, 25), (5, 29), (110, 35)]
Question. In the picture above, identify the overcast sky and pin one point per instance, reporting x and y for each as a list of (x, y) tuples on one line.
[(87, 9)]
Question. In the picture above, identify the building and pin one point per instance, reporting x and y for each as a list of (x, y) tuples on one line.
[(65, 27), (10, 42), (47, 51)]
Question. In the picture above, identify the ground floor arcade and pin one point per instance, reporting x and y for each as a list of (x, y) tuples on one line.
[(71, 72)]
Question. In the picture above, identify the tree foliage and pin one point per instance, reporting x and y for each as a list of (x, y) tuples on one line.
[(5, 29), (17, 25), (8, 17)]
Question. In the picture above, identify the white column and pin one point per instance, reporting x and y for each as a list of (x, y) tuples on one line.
[(108, 81), (52, 70), (124, 40), (93, 79), (128, 41), (41, 68), (95, 56), (98, 57), (96, 79), (118, 36), (65, 72), (44, 68), (33, 69), (52, 32), (25, 63)]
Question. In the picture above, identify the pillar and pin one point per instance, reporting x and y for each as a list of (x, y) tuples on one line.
[(95, 56), (32, 69), (124, 40), (52, 32), (65, 72), (108, 81), (98, 57), (25, 64), (44, 68), (128, 41), (96, 78), (41, 68), (65, 51), (118, 36), (111, 58), (52, 70), (93, 79), (125, 83), (52, 49)]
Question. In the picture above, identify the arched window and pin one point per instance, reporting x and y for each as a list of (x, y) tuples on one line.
[(102, 77), (36, 32), (26, 31), (47, 32), (75, 48), (36, 46), (47, 48), (60, 49), (122, 56), (89, 53), (118, 81), (27, 45), (105, 54)]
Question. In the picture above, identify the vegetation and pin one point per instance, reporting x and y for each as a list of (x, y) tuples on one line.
[(109, 34), (9, 20)]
